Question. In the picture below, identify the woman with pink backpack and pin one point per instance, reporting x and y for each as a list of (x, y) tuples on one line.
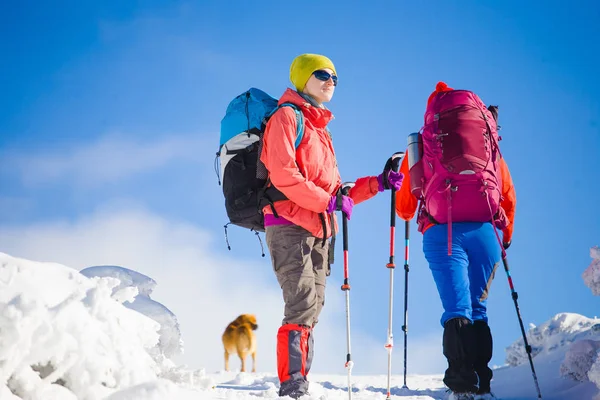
[(467, 203)]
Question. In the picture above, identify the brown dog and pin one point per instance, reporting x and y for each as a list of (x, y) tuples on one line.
[(239, 338)]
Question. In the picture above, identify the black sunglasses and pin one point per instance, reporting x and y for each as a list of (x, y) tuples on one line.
[(324, 76)]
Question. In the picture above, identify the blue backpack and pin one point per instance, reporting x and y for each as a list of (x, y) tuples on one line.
[(244, 177)]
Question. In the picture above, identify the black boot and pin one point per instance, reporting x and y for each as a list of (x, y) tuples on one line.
[(483, 355), (458, 346), (294, 387)]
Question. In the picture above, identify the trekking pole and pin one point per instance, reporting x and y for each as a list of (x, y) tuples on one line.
[(389, 344), (515, 296), (405, 326), (346, 285)]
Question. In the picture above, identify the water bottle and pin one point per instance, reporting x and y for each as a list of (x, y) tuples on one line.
[(415, 148), (415, 163)]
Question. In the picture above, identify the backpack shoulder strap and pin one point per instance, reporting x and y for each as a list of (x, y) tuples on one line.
[(269, 193), (299, 122)]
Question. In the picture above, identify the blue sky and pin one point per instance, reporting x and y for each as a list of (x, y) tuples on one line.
[(113, 108)]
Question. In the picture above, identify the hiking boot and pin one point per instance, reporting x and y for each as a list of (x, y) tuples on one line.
[(458, 348), (483, 355), (293, 388), (461, 396)]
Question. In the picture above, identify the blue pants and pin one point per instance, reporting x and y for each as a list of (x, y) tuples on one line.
[(463, 279)]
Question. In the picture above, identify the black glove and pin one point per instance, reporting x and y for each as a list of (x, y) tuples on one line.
[(506, 245)]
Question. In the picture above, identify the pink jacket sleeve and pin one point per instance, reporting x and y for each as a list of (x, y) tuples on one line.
[(279, 156)]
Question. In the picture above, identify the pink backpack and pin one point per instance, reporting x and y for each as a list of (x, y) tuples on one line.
[(461, 175)]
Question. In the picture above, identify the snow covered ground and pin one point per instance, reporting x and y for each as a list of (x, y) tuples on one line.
[(98, 334)]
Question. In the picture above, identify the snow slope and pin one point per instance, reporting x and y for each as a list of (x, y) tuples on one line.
[(71, 335)]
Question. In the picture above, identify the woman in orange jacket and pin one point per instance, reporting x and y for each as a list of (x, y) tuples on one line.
[(296, 234), (463, 259)]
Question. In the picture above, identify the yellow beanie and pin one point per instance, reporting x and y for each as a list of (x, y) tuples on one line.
[(304, 65)]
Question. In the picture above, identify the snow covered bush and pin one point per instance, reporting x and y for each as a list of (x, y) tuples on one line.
[(589, 358), (579, 360), (591, 276), (594, 374), (561, 330)]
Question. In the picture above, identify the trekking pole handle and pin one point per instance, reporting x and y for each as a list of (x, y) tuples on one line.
[(346, 186), (394, 164), (344, 190), (396, 160)]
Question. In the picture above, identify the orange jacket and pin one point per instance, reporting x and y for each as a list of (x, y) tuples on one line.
[(406, 202), (308, 175)]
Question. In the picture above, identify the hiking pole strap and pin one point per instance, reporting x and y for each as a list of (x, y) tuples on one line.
[(331, 250), (343, 192)]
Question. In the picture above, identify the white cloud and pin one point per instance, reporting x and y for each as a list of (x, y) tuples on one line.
[(205, 290), (111, 158)]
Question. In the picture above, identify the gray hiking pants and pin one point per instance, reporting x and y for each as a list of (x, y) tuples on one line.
[(300, 264)]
